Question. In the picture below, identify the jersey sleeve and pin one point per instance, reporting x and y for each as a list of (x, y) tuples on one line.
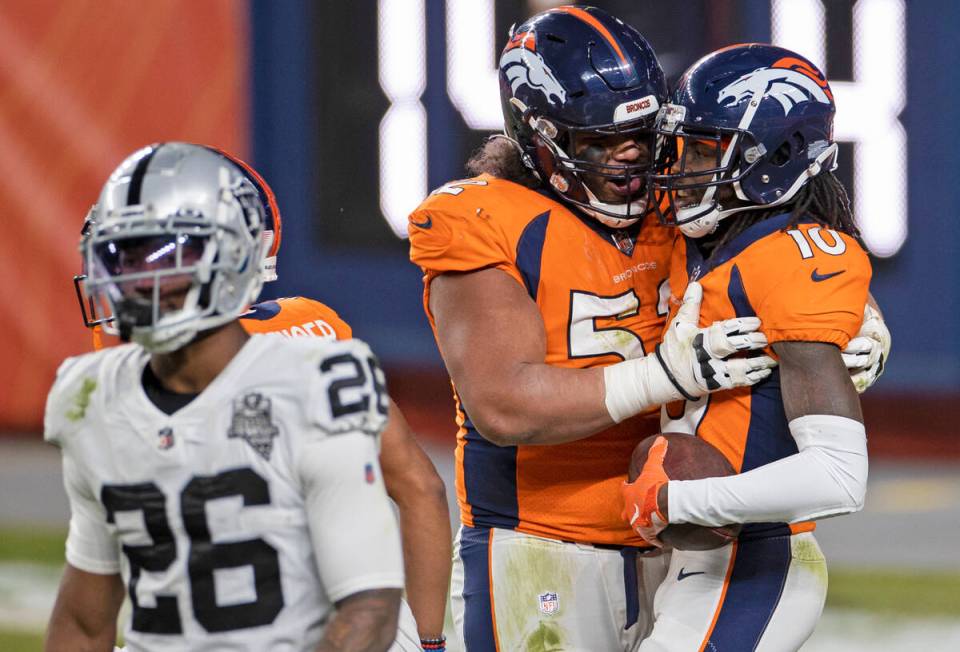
[(91, 545), (451, 235), (68, 398), (350, 392), (818, 296), (353, 530)]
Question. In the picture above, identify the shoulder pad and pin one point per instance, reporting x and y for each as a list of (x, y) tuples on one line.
[(81, 382), (295, 317), (351, 391), (464, 227)]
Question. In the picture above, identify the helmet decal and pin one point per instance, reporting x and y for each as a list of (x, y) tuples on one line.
[(788, 86), (524, 66)]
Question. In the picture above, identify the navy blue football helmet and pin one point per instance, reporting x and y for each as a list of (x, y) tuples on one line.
[(578, 70), (766, 113)]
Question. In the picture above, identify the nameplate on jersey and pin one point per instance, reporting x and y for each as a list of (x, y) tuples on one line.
[(253, 422)]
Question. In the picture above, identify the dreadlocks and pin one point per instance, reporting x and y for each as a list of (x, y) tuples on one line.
[(823, 199)]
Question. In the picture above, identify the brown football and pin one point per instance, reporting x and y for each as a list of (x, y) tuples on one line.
[(688, 458)]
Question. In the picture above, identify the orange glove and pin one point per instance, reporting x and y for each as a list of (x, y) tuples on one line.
[(640, 507)]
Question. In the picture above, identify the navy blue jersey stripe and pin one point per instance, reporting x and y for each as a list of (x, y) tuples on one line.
[(530, 252), (136, 179), (768, 435), (738, 295), (478, 609), (756, 584), (490, 480), (262, 311), (630, 586)]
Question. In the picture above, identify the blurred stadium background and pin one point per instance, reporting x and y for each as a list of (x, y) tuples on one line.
[(353, 111)]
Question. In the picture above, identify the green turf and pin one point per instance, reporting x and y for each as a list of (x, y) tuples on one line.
[(40, 546), (896, 592), (20, 641)]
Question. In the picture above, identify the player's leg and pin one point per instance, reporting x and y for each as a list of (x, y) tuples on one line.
[(642, 576), (752, 595), (801, 603), (515, 592)]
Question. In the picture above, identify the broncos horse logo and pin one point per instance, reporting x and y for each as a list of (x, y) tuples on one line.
[(523, 66), (790, 82)]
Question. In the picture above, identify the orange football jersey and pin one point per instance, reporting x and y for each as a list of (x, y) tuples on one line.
[(295, 317), (603, 297), (809, 284)]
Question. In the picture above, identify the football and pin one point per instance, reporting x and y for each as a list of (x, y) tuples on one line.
[(688, 458)]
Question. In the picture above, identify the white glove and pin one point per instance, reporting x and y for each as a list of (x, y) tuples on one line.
[(688, 364), (694, 358), (867, 353)]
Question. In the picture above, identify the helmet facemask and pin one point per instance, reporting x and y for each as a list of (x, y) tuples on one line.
[(570, 175), (731, 183), (167, 277), (697, 158)]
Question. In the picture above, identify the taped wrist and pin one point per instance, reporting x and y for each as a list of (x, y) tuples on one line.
[(632, 386)]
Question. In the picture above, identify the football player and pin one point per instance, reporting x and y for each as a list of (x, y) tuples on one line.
[(230, 481), (409, 476), (545, 281), (768, 233)]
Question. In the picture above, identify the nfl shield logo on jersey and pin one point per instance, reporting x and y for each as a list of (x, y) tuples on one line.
[(549, 603), (253, 422), (165, 439)]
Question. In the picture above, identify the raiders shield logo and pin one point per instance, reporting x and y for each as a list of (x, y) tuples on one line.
[(253, 422)]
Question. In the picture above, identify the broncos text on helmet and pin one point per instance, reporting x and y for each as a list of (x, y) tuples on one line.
[(766, 115), (175, 243), (573, 71)]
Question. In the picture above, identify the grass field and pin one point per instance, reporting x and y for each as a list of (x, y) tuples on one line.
[(869, 599)]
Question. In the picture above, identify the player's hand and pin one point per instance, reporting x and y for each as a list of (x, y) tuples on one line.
[(695, 358), (640, 507), (867, 353)]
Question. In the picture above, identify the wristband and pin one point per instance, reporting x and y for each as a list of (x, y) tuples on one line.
[(633, 386), (436, 643)]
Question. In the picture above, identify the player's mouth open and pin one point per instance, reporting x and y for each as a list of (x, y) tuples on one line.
[(626, 189)]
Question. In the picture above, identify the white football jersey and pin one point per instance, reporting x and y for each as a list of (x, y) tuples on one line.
[(240, 519)]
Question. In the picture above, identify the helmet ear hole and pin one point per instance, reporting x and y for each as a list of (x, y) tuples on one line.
[(781, 156)]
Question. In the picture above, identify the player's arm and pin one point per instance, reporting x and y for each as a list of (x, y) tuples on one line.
[(826, 477), (364, 621), (418, 490), (84, 617), (355, 539), (492, 338)]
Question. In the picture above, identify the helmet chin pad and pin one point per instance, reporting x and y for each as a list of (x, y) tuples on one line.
[(701, 226)]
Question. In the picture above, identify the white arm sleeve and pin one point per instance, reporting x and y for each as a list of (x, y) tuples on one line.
[(91, 546), (827, 477), (352, 526)]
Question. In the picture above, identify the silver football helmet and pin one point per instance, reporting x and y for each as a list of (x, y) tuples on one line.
[(174, 245)]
